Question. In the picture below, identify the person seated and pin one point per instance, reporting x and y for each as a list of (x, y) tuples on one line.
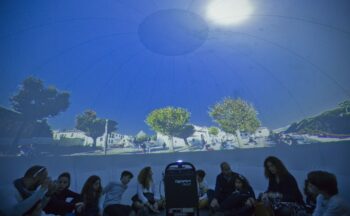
[(241, 202), (64, 200), (283, 193), (113, 196), (203, 190), (328, 203), (90, 194), (29, 194), (310, 197), (146, 200), (224, 188)]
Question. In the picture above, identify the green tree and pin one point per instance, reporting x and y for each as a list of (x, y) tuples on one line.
[(141, 137), (214, 131), (168, 121), (112, 126), (234, 116), (185, 132), (36, 102), (93, 127), (154, 137)]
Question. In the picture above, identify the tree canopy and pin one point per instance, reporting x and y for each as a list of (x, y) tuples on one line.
[(233, 115), (213, 131), (141, 137), (94, 126), (168, 121), (35, 101)]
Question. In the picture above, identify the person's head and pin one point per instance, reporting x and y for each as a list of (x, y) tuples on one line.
[(225, 168), (125, 177), (274, 166), (241, 183), (63, 181), (145, 177), (92, 187), (200, 175), (35, 176), (321, 182)]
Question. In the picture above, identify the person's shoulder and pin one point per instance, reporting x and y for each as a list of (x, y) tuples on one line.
[(70, 192), (7, 190), (338, 203), (234, 174), (113, 184), (337, 199), (288, 176), (8, 195)]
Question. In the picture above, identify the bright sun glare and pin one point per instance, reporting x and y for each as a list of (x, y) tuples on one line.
[(229, 12)]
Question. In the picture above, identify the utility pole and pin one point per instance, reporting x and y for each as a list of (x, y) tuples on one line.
[(106, 136)]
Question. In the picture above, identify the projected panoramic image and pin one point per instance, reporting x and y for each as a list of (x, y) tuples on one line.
[(145, 77)]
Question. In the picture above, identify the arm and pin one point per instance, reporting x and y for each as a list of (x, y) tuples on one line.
[(72, 194), (269, 187), (140, 193), (107, 188), (291, 191), (23, 206), (155, 191), (251, 192), (44, 201), (202, 190), (217, 187), (217, 192), (319, 209), (205, 186)]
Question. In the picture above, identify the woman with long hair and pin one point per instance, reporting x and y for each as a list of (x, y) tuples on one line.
[(147, 195), (282, 193), (91, 193)]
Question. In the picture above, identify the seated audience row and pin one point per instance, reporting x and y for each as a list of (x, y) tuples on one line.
[(233, 195)]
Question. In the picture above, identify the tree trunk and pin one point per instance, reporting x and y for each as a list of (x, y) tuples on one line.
[(186, 141), (18, 136), (94, 142), (106, 144), (171, 143), (238, 134)]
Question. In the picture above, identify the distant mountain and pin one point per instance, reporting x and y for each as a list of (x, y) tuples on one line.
[(332, 122), (282, 129)]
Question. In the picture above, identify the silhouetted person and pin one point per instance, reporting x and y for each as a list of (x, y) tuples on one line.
[(282, 193), (328, 203)]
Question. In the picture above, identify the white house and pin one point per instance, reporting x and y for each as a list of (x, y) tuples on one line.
[(262, 132), (72, 134), (114, 139)]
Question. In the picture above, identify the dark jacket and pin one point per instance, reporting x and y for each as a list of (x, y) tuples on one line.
[(58, 204), (288, 187), (224, 186)]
